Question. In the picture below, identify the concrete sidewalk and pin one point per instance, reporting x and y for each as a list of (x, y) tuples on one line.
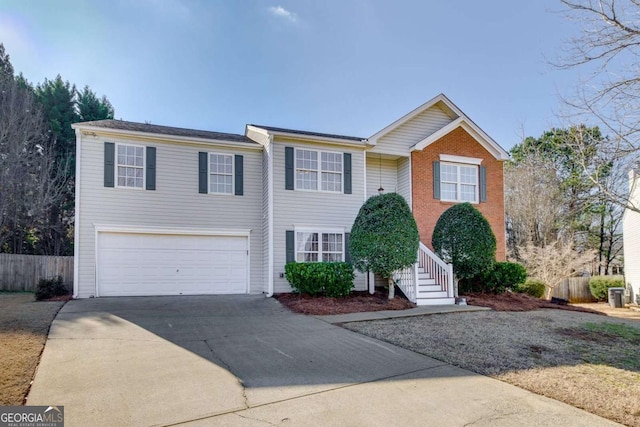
[(245, 360)]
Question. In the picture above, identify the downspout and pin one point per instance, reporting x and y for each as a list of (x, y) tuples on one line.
[(269, 152), (76, 219)]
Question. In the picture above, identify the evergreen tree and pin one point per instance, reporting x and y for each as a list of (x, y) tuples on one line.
[(91, 108)]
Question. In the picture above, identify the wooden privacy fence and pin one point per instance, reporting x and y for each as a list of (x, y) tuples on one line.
[(22, 272), (574, 289)]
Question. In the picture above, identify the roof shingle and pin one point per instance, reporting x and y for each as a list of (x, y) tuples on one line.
[(167, 130), (308, 133)]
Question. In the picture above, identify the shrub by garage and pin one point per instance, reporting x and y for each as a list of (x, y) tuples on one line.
[(49, 288), (334, 279)]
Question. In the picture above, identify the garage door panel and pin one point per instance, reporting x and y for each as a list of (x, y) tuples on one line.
[(148, 264)]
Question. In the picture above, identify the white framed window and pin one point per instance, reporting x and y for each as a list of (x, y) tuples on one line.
[(458, 182), (323, 166), (220, 173), (315, 246), (130, 166)]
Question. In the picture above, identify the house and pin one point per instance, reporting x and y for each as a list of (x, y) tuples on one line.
[(631, 239), (171, 211)]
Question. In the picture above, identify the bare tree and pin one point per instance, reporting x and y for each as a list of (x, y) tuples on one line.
[(555, 262), (533, 203), (608, 48), (29, 182)]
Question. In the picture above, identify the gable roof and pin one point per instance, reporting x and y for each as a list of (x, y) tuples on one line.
[(163, 130), (294, 132), (472, 129), (460, 120)]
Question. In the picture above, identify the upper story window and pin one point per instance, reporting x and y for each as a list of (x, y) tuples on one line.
[(130, 166), (318, 246), (220, 173), (318, 170), (458, 182)]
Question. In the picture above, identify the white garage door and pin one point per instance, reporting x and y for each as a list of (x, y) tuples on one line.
[(154, 264)]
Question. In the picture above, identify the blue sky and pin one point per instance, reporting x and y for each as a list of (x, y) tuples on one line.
[(340, 66)]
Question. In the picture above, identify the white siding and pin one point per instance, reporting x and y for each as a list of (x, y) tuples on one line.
[(404, 179), (631, 238), (311, 208), (393, 175), (381, 172), (399, 140), (175, 203)]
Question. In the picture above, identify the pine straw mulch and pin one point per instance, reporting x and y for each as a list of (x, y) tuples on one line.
[(519, 302), (24, 326), (356, 302)]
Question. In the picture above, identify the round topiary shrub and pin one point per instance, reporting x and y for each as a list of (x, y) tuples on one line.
[(533, 287), (463, 237), (384, 237)]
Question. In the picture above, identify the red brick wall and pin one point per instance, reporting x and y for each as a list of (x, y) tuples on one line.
[(427, 210)]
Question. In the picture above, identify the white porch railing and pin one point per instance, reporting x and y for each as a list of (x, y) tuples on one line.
[(428, 262), (437, 269), (407, 280)]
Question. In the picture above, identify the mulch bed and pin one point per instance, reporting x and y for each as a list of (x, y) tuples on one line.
[(363, 301), (518, 302), (355, 303)]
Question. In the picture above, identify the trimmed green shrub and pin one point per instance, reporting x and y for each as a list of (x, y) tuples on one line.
[(335, 279), (384, 237), (463, 237), (505, 275), (49, 288), (599, 286), (533, 287), (502, 276)]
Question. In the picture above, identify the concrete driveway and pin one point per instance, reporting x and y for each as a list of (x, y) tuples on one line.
[(246, 360)]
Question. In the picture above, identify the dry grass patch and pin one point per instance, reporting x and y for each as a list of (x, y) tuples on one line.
[(24, 325), (586, 360)]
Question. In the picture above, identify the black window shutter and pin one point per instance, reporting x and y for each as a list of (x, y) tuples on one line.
[(347, 253), (203, 172), (290, 242), (483, 184), (239, 175), (436, 180), (288, 167), (347, 173), (151, 169), (109, 164)]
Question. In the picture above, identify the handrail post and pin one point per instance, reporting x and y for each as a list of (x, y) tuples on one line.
[(415, 281)]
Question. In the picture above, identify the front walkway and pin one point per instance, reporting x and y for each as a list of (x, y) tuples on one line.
[(246, 360)]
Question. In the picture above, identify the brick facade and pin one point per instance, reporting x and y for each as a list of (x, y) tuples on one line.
[(427, 210)]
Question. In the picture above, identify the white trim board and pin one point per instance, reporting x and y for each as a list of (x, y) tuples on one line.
[(476, 133), (115, 228), (460, 159)]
